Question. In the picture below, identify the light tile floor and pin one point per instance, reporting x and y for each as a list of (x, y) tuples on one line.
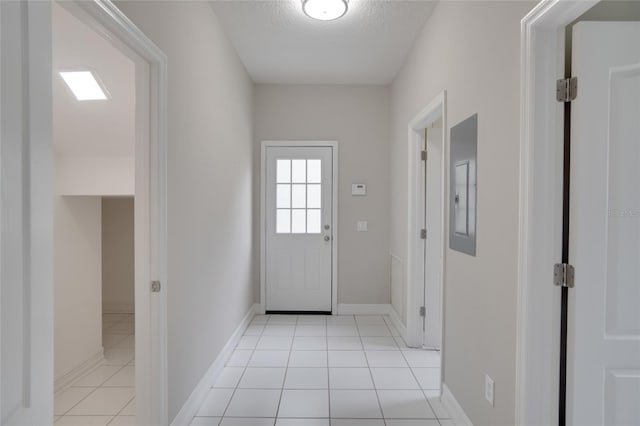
[(105, 395), (313, 370)]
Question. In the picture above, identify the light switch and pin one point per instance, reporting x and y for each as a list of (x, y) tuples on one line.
[(358, 189), (362, 226)]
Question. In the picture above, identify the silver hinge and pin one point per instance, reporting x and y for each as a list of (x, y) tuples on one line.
[(423, 311), (564, 275), (155, 286), (423, 155), (423, 234), (567, 89)]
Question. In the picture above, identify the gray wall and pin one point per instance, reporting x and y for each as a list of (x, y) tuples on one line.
[(118, 272), (210, 186), (472, 49), (358, 118)]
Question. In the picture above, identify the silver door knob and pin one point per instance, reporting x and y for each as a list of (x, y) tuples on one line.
[(327, 238), (326, 227)]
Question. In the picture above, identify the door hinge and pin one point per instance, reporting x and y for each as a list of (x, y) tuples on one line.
[(567, 89), (564, 275), (423, 311), (423, 234), (423, 155), (155, 286)]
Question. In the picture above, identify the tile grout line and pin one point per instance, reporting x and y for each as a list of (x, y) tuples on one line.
[(375, 388), (286, 370)]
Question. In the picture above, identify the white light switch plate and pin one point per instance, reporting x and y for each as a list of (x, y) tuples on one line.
[(362, 226)]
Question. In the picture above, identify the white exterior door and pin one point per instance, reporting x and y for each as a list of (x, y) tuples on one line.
[(299, 228), (603, 381)]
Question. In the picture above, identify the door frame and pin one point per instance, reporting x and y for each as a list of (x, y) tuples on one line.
[(436, 109), (540, 209), (263, 214)]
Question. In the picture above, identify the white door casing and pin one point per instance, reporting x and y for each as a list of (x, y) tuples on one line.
[(299, 228), (604, 307)]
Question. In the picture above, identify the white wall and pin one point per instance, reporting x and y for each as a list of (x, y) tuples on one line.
[(78, 281), (210, 186), (118, 273), (472, 49), (358, 118)]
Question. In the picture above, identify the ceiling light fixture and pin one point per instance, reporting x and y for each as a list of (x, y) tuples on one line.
[(84, 85), (325, 10)]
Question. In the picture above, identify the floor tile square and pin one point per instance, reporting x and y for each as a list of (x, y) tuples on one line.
[(302, 422), (231, 421), (259, 319), (128, 342), (254, 403), (262, 378), (344, 343), (315, 343), (283, 320), (279, 330), (129, 409), (357, 422), (406, 422), (355, 404), (347, 359), (126, 377), (110, 340), (304, 403), (123, 421), (307, 378), (98, 376), (428, 378), (118, 356), (386, 359), (370, 320), (254, 330), (229, 378), (405, 404), (342, 330), (269, 359), (423, 359), (205, 421), (308, 359), (374, 330), (103, 402), (350, 378), (311, 330), (248, 342), (215, 403), (394, 378), (379, 343), (274, 343), (239, 358), (341, 320), (83, 421), (312, 319)]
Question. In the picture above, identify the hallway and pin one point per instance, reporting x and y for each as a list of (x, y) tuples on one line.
[(325, 370)]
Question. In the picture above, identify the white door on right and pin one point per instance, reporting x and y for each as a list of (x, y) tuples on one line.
[(603, 381)]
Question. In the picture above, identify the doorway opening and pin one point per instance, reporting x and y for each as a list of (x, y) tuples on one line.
[(426, 227), (299, 233)]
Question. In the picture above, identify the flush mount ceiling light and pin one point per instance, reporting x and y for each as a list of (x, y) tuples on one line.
[(324, 10), (84, 85)]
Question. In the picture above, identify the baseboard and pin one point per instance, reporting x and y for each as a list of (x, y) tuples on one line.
[(456, 412), (193, 403), (68, 378), (363, 309), (118, 308), (397, 323)]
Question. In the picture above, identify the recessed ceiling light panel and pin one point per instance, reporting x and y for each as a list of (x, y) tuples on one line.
[(84, 85), (324, 10)]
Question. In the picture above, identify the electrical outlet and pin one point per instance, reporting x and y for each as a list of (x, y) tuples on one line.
[(488, 389)]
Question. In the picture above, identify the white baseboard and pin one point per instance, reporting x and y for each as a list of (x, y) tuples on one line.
[(363, 309), (456, 412), (397, 323), (118, 308), (65, 380), (191, 406)]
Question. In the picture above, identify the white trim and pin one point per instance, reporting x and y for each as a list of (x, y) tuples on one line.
[(540, 210), (151, 242), (118, 308), (436, 109), (88, 365), (334, 242), (364, 309), (397, 322), (454, 409), (195, 400)]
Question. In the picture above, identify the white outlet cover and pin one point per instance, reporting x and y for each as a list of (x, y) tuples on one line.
[(489, 387), (362, 226)]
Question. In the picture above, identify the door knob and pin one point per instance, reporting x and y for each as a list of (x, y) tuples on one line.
[(326, 227), (327, 238)]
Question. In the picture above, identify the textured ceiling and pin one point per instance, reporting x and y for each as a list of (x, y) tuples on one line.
[(91, 128), (279, 44)]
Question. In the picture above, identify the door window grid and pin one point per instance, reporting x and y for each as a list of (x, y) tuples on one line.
[(298, 196)]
